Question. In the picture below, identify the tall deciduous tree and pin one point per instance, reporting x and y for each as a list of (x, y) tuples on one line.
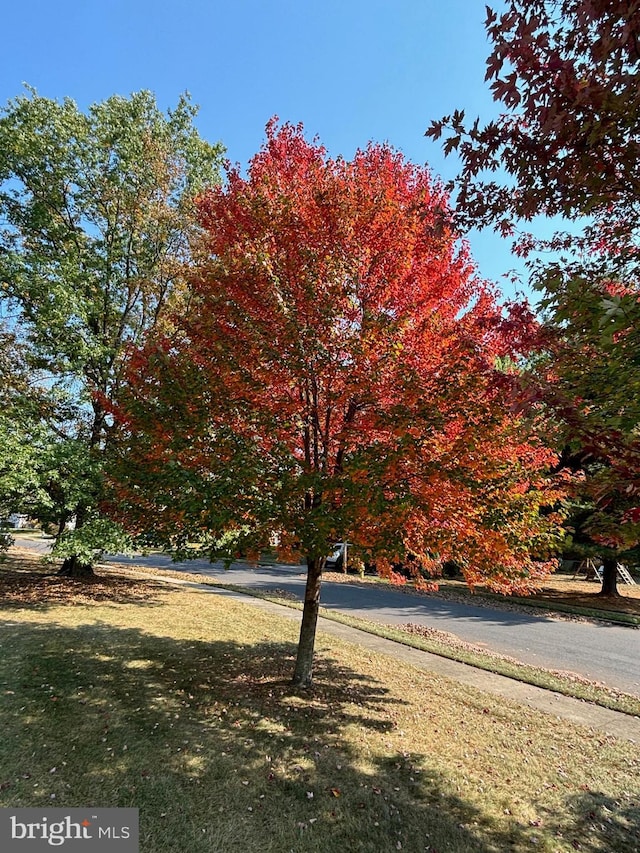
[(18, 452), (97, 213), (337, 379), (567, 73)]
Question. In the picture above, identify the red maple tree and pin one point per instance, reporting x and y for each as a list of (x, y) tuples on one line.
[(342, 375)]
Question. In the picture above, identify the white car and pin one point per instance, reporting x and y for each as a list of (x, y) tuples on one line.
[(336, 559)]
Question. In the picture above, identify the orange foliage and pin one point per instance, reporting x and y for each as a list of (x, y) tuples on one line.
[(336, 378)]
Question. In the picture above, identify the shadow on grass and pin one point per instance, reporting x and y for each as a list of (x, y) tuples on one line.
[(602, 823), (43, 587), (218, 751)]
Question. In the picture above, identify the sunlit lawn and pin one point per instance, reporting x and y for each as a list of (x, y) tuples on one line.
[(578, 592), (178, 703)]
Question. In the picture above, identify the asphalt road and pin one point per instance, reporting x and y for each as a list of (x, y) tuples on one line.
[(599, 651)]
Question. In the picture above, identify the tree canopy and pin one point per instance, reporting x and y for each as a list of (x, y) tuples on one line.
[(567, 73), (97, 213), (341, 374)]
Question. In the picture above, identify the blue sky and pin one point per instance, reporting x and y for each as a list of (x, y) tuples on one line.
[(350, 70)]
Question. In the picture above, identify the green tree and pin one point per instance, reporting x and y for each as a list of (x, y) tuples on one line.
[(18, 468), (97, 212), (567, 142)]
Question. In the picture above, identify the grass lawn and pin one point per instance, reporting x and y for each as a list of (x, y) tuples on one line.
[(578, 592), (438, 642), (126, 693)]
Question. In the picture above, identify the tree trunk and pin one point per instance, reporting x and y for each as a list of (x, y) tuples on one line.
[(306, 643), (73, 567), (609, 578)]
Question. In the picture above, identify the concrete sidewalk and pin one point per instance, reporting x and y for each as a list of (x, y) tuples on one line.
[(563, 707)]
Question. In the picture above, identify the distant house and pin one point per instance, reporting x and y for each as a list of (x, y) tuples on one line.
[(17, 520)]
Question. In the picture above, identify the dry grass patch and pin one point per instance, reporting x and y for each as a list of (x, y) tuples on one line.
[(26, 579), (186, 712), (581, 593), (430, 640)]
